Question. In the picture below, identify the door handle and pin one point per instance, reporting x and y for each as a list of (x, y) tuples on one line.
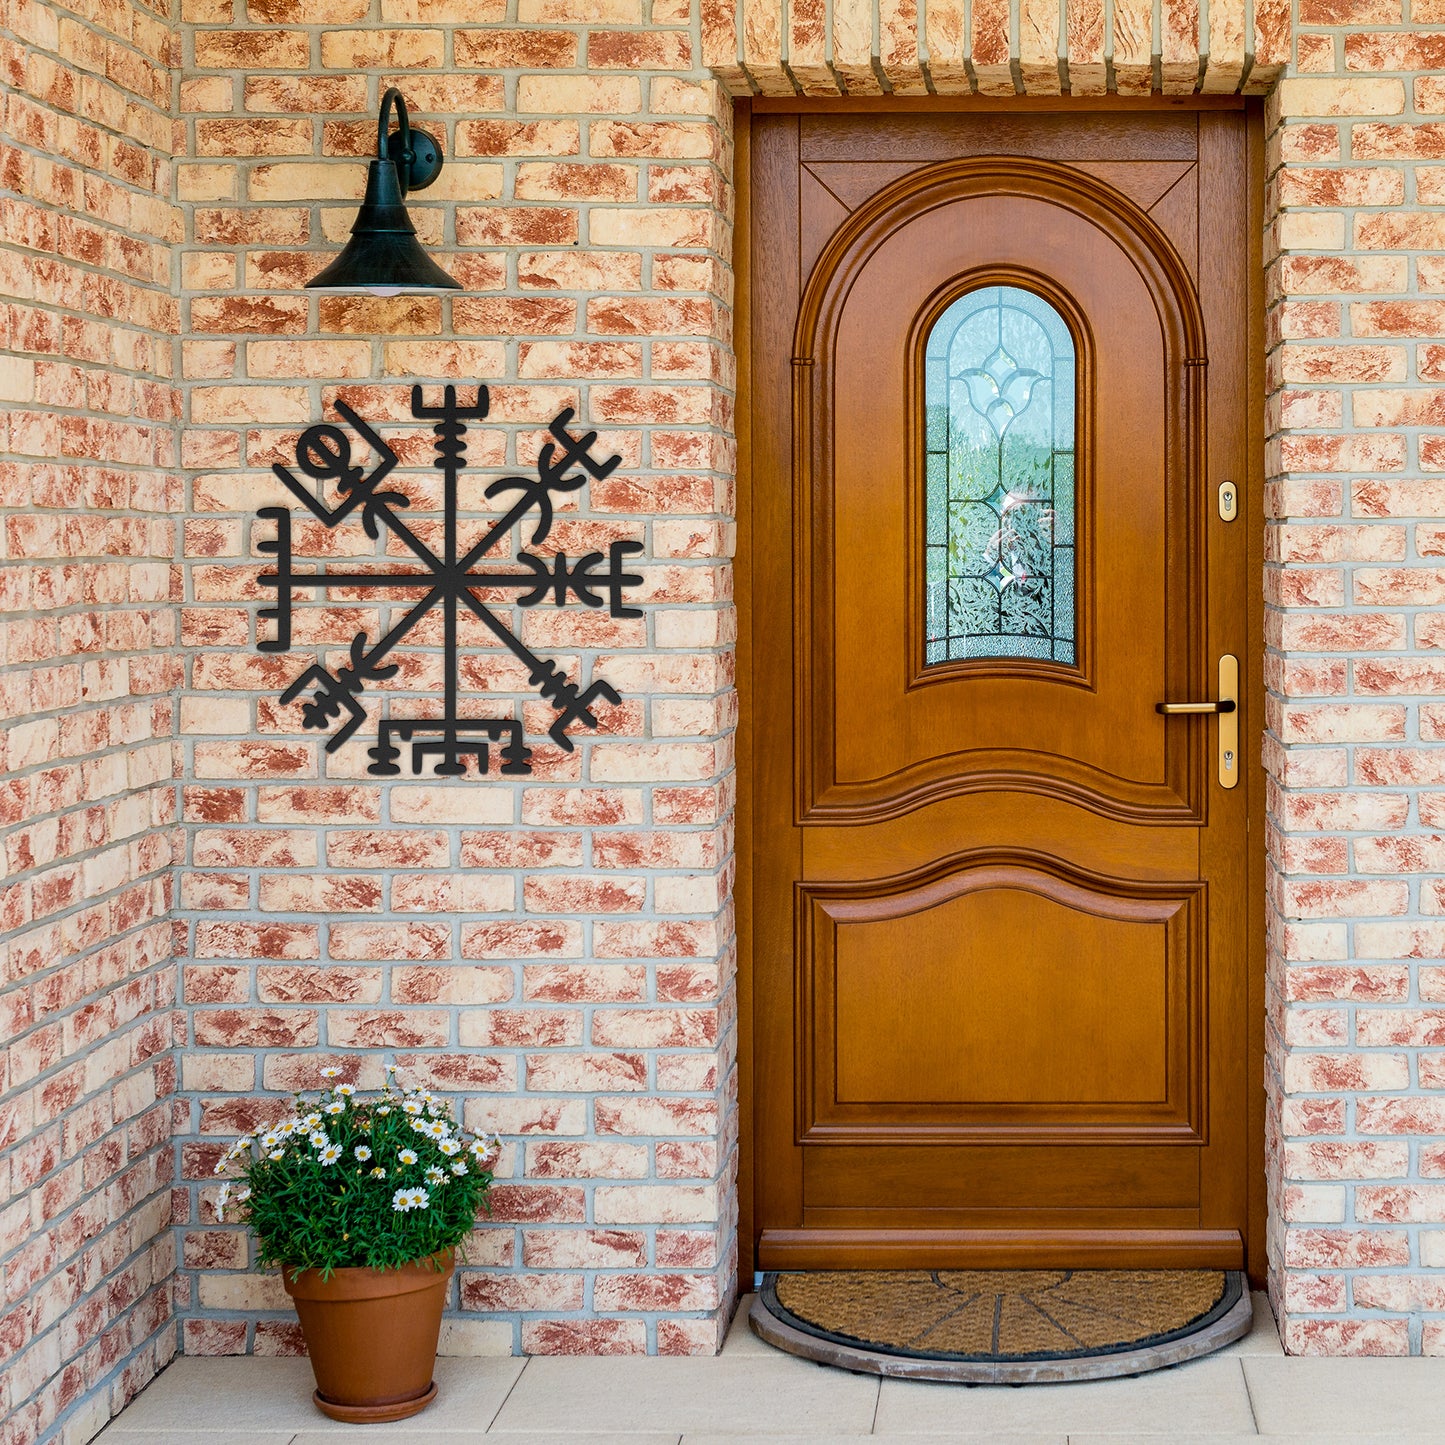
[(1227, 709), (1175, 709)]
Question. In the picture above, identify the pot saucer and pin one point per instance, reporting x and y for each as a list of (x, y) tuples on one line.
[(375, 1414)]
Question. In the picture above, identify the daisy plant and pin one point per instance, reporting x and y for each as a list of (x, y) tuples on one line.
[(350, 1180)]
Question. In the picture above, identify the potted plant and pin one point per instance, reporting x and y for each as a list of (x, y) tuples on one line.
[(362, 1202)]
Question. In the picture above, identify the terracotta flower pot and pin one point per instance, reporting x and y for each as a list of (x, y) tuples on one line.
[(372, 1336)]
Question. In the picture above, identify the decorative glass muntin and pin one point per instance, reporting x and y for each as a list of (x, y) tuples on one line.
[(999, 397)]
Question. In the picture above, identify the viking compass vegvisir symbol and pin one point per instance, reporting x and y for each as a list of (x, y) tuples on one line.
[(450, 583)]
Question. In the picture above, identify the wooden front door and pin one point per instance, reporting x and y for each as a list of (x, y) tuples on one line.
[(999, 374)]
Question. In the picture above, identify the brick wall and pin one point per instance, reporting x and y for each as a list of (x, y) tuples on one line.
[(1354, 580), (555, 951), (88, 496)]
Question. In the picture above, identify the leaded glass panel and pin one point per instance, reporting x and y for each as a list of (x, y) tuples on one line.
[(999, 388)]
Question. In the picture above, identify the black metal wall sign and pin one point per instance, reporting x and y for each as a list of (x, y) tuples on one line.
[(450, 582)]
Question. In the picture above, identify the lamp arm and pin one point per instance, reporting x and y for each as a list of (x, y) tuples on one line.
[(393, 97)]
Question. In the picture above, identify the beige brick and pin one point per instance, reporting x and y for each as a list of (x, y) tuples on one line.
[(578, 95), (1354, 96), (643, 227), (307, 181), (1303, 232), (329, 359), (207, 183), (412, 803), (378, 49)]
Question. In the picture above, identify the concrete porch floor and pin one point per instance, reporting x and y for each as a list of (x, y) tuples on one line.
[(1245, 1392)]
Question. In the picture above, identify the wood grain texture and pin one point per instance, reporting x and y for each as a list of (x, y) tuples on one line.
[(958, 975), (1058, 1247), (936, 1021), (897, 766)]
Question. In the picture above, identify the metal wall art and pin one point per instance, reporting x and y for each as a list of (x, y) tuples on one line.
[(454, 583)]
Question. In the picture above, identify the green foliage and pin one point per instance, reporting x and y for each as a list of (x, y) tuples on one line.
[(350, 1180)]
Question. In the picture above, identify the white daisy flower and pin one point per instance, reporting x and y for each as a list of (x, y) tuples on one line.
[(319, 1139), (277, 1154), (270, 1140), (412, 1106), (437, 1129), (331, 1154), (392, 1068), (331, 1073), (335, 1107), (345, 1090), (407, 1199), (459, 1167), (435, 1176), (450, 1146), (289, 1127), (242, 1195), (407, 1156), (311, 1120), (362, 1152), (385, 1109), (378, 1172), (220, 1166)]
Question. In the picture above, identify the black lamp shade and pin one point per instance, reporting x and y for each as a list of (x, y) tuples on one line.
[(383, 255)]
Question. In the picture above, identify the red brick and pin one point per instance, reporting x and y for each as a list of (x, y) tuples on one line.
[(584, 1337)]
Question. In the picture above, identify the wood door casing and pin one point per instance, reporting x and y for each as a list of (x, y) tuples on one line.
[(915, 1100)]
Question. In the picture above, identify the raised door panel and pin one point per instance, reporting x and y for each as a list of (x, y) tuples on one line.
[(999, 999), (1081, 725)]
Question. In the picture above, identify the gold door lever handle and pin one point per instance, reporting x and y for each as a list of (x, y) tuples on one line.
[(1227, 707), (1173, 709)]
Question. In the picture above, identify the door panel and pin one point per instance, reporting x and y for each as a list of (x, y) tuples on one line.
[(1000, 972), (906, 1038)]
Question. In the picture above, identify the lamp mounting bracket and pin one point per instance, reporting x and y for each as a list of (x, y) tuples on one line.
[(424, 164), (417, 157)]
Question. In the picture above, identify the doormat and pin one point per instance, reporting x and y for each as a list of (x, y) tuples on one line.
[(1000, 1326)]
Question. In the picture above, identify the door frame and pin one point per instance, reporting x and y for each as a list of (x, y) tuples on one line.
[(1252, 515)]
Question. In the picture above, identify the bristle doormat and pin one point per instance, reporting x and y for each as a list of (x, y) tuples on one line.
[(1000, 1326)]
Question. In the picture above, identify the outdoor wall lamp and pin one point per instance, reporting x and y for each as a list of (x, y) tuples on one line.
[(383, 255)]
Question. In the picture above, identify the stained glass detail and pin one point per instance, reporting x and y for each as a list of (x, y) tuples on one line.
[(999, 392)]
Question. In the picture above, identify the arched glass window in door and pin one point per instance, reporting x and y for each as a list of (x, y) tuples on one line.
[(1000, 397)]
